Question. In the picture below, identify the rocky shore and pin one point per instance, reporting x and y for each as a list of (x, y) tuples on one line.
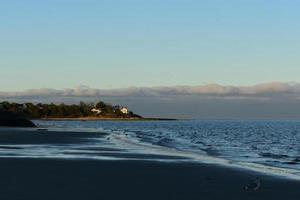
[(10, 119)]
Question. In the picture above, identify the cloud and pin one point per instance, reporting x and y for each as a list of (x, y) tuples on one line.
[(212, 90), (274, 100)]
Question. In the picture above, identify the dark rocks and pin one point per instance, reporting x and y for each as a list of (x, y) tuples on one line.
[(10, 119)]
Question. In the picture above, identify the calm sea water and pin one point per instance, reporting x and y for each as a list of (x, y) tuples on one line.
[(271, 143)]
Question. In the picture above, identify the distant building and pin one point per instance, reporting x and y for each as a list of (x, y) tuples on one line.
[(20, 106), (40, 106), (95, 110), (124, 110)]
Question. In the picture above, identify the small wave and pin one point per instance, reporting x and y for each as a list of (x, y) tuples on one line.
[(210, 151), (10, 147), (275, 156), (164, 142), (295, 161)]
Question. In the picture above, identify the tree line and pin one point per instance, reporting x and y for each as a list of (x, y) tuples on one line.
[(38, 111)]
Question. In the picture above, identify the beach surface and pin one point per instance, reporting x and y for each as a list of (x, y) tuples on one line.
[(39, 164), (94, 179)]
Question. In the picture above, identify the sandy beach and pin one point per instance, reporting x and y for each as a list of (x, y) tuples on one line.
[(91, 179), (136, 176)]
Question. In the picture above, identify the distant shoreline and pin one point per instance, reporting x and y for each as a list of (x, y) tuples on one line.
[(105, 119)]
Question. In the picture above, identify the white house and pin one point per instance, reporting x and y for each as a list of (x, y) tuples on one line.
[(124, 110), (98, 111)]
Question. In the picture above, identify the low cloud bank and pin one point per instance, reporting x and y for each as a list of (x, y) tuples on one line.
[(264, 101), (260, 90)]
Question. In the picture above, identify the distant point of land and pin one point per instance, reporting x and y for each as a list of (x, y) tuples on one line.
[(84, 111)]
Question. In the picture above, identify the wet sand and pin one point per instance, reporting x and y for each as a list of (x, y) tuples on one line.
[(140, 179), (24, 178)]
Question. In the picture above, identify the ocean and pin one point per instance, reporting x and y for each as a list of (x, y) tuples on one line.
[(266, 146)]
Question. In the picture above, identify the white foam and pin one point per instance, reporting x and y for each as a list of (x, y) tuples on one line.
[(141, 147)]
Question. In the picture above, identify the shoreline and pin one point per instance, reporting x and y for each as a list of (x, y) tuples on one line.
[(105, 119), (10, 136), (85, 171)]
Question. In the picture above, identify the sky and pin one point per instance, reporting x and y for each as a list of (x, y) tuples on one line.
[(208, 59), (122, 43)]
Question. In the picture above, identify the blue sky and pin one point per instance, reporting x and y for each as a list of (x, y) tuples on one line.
[(122, 43)]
